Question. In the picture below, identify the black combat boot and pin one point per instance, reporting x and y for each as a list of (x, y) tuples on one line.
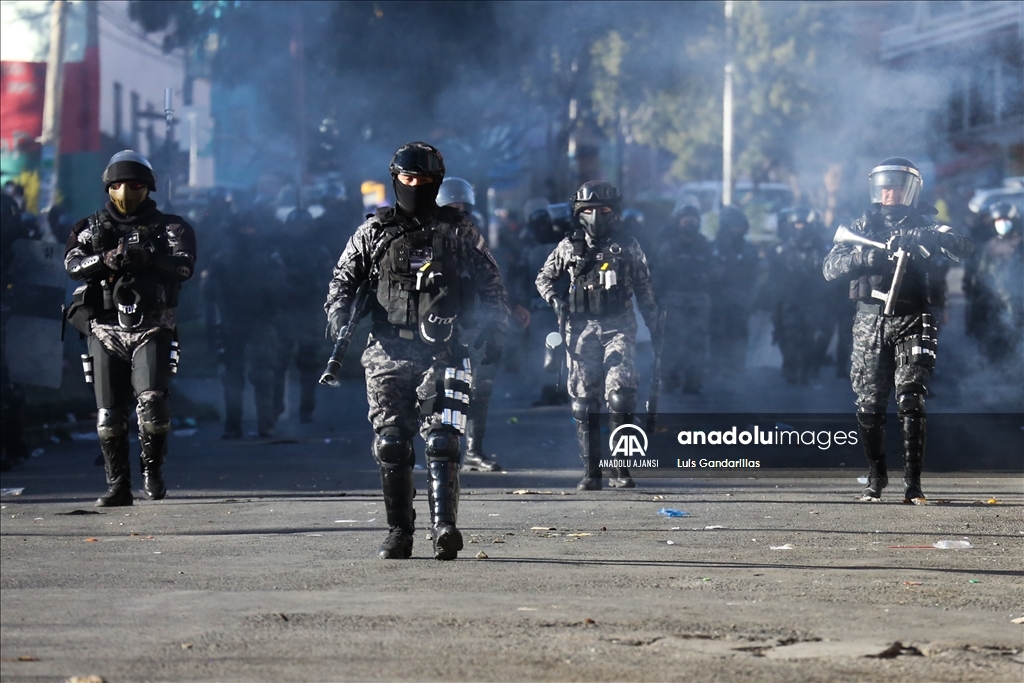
[(914, 427), (475, 459), (443, 495), (872, 433), (590, 454), (119, 472), (397, 484), (154, 449)]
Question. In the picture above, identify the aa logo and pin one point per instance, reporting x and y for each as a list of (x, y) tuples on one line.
[(628, 441)]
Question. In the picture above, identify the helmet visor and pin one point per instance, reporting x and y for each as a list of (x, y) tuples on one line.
[(417, 160), (892, 185)]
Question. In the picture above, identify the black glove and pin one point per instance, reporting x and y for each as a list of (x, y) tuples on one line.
[(113, 259), (494, 337), (336, 320), (559, 305), (875, 259), (911, 239), (134, 260)]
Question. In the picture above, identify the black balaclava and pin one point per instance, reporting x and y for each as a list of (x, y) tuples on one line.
[(416, 200)]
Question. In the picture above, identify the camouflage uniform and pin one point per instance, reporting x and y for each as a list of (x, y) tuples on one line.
[(131, 364), (683, 270), (403, 371), (896, 350), (601, 348)]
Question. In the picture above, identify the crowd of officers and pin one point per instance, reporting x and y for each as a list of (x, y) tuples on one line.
[(442, 308)]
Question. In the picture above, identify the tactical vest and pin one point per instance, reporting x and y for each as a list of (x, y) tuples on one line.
[(153, 293), (419, 285), (915, 292), (599, 286)]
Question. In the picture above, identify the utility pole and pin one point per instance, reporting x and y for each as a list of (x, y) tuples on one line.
[(52, 106), (169, 143), (727, 111)]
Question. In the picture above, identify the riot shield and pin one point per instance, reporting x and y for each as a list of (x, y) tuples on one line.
[(34, 293)]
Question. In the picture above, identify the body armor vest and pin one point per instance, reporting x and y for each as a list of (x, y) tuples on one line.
[(419, 285), (599, 286), (130, 296)]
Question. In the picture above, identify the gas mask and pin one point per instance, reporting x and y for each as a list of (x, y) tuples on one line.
[(1003, 226), (128, 195), (598, 224)]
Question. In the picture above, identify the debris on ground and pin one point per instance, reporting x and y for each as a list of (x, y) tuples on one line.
[(672, 512)]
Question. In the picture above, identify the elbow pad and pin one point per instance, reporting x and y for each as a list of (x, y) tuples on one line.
[(177, 267), (85, 267)]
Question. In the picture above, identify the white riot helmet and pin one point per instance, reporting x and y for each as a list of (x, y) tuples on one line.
[(456, 191), (895, 181)]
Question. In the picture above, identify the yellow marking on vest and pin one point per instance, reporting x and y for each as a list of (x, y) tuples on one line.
[(425, 266), (605, 266)]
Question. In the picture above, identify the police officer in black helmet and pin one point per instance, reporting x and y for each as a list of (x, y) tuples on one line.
[(418, 374), (132, 259), (606, 268), (894, 349)]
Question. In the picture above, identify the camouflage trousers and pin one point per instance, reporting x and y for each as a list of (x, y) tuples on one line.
[(602, 358), (401, 375), (686, 332), (875, 367)]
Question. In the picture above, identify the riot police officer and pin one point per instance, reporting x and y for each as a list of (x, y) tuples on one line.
[(995, 287), (895, 348), (606, 268), (132, 259), (683, 269), (411, 259), (799, 294), (458, 194), (737, 268), (307, 265), (245, 292)]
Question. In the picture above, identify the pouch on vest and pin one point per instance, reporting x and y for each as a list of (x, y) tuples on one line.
[(134, 297), (86, 302), (438, 312)]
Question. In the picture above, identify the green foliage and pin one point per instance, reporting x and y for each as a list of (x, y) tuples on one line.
[(680, 109)]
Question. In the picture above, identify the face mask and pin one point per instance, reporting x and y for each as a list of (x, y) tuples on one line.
[(895, 213), (598, 224), (416, 200), (126, 199), (1003, 227)]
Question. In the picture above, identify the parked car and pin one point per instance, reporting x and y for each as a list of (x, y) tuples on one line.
[(1012, 191)]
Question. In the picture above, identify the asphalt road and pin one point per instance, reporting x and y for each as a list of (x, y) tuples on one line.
[(261, 563)]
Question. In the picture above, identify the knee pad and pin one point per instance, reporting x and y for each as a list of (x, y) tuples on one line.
[(443, 445), (580, 410), (910, 403), (622, 401), (111, 423), (154, 413), (391, 447)]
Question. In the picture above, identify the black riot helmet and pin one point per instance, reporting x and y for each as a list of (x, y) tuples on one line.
[(129, 165), (541, 227), (733, 221), (895, 182), (597, 194), (803, 216), (420, 159)]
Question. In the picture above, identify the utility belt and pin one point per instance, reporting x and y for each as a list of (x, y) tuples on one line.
[(129, 299), (385, 330), (902, 308)]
